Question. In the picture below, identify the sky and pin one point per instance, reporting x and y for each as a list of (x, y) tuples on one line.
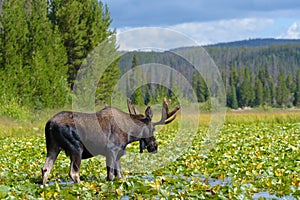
[(210, 21)]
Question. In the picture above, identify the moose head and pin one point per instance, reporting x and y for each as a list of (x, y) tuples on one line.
[(79, 135), (166, 118)]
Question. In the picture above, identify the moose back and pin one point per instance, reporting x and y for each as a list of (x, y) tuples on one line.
[(106, 132)]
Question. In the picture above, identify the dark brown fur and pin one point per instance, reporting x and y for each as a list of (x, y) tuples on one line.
[(107, 132)]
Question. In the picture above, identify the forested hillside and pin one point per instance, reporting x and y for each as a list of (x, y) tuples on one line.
[(253, 75), (255, 42), (42, 46), (256, 76), (44, 43)]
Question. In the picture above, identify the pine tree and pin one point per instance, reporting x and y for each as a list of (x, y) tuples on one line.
[(68, 15), (33, 57), (259, 95), (137, 96), (84, 25), (14, 37), (48, 68), (203, 89), (267, 97), (232, 98), (290, 83), (135, 62), (297, 92), (86, 34), (200, 87), (282, 93), (246, 92), (197, 87), (147, 94), (264, 77), (273, 91)]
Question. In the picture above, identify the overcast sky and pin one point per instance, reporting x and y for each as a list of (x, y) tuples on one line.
[(211, 21)]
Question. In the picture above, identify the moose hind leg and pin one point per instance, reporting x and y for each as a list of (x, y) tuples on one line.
[(51, 157), (75, 167)]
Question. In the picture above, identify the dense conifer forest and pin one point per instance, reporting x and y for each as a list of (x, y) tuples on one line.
[(44, 43), (42, 46), (256, 73)]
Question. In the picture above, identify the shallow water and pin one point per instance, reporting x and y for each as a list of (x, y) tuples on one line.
[(227, 181), (60, 183), (267, 195), (211, 182)]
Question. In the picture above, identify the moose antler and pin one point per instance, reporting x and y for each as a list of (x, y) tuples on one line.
[(131, 108), (166, 116)]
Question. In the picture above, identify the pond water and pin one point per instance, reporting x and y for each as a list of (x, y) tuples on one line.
[(226, 181), (60, 183), (267, 195), (211, 182)]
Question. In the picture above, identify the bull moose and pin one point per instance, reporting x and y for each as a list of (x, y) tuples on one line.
[(106, 132)]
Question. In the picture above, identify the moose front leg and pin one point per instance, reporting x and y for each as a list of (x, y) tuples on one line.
[(113, 170), (113, 164), (117, 169), (110, 169)]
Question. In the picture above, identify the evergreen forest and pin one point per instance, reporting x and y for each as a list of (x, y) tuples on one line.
[(42, 47), (43, 44), (255, 74)]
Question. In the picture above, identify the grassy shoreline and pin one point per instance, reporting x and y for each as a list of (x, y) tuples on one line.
[(35, 125)]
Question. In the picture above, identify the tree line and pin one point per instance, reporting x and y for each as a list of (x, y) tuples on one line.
[(260, 76), (247, 89), (42, 46), (255, 76)]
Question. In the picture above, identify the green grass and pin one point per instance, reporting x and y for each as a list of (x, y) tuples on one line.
[(256, 151)]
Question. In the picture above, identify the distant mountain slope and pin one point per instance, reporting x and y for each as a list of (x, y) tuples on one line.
[(255, 72), (255, 43), (279, 55)]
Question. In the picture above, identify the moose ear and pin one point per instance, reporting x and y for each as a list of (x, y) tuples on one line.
[(148, 113)]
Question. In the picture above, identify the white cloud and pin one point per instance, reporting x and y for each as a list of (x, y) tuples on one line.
[(152, 38), (224, 30), (293, 32), (187, 34)]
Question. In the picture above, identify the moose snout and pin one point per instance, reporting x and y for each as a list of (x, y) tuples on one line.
[(152, 147), (153, 152)]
